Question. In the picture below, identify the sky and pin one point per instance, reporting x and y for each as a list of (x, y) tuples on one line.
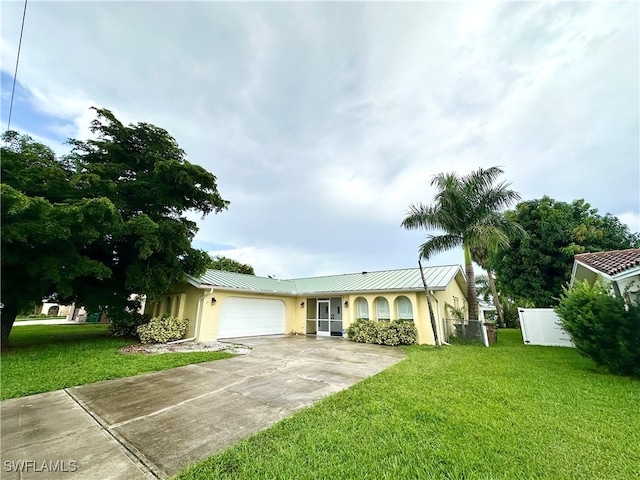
[(324, 121)]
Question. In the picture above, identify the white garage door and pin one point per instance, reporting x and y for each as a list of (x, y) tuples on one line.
[(247, 317)]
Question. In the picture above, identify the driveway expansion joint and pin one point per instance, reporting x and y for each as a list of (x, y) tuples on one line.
[(146, 469), (157, 424)]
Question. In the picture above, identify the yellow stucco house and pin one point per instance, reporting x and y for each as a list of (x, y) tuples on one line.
[(230, 305)]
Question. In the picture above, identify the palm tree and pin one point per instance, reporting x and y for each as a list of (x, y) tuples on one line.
[(480, 255), (466, 210)]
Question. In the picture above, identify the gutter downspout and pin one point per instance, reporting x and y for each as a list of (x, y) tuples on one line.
[(198, 315)]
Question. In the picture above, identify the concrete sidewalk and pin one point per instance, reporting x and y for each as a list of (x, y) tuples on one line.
[(154, 425), (45, 321)]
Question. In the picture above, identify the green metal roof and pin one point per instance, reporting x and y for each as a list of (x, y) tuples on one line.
[(241, 281), (438, 278)]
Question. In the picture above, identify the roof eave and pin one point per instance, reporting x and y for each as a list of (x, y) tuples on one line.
[(630, 272), (363, 292), (245, 290), (578, 263), (207, 286)]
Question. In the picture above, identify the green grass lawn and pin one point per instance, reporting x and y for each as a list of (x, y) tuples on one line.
[(42, 358), (465, 412)]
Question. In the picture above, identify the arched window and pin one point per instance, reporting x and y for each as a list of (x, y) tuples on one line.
[(382, 309), (404, 308), (362, 308)]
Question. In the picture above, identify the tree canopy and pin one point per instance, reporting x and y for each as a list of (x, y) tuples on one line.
[(220, 262), (534, 268), (465, 212), (103, 224)]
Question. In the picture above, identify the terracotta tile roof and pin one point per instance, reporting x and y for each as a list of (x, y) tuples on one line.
[(612, 262)]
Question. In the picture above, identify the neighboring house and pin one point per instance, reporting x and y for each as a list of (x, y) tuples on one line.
[(53, 309), (619, 267), (226, 305), (72, 313), (80, 314)]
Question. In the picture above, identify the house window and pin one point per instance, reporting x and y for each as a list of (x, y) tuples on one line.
[(405, 310), (382, 309), (362, 308)]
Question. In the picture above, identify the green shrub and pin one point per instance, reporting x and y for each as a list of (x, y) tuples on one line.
[(362, 331), (407, 332), (602, 327), (126, 324), (395, 332), (163, 330), (387, 334)]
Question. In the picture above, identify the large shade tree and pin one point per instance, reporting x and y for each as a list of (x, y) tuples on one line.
[(535, 267), (102, 225), (465, 213), (45, 228)]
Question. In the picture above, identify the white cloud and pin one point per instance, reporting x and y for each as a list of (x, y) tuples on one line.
[(279, 263), (632, 219), (323, 121)]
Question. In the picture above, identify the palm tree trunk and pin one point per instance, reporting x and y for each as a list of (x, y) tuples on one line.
[(431, 316), (472, 296), (494, 293)]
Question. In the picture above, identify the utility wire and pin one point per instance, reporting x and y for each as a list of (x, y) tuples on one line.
[(15, 74)]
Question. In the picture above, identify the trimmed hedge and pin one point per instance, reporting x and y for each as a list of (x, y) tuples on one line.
[(395, 332), (163, 330)]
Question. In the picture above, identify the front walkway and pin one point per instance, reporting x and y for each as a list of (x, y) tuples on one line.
[(154, 425)]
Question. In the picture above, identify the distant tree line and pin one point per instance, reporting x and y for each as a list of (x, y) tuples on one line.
[(230, 265)]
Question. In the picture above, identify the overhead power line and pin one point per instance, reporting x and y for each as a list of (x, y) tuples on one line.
[(15, 74)]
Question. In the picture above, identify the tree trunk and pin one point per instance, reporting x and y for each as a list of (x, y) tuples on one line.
[(431, 316), (472, 296), (494, 293), (8, 314)]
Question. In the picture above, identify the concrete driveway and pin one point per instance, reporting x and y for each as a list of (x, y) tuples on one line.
[(154, 425)]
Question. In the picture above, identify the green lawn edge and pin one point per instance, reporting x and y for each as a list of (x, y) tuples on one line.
[(44, 358)]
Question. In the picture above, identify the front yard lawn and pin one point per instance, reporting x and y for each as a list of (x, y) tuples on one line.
[(506, 412), (42, 358)]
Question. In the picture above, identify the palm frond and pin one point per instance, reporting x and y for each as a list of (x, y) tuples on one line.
[(417, 217), (437, 244)]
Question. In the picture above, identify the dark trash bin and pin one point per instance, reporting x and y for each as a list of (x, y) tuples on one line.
[(491, 332)]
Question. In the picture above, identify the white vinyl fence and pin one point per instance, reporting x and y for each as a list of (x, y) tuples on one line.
[(542, 326)]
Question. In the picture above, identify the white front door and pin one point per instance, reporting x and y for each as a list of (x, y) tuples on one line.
[(323, 327)]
